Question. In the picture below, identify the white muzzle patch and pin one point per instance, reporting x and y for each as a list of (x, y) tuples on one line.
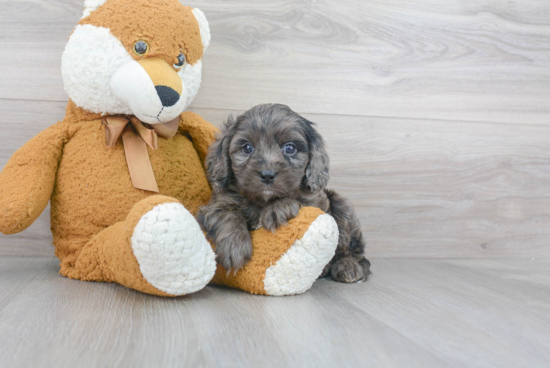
[(133, 87)]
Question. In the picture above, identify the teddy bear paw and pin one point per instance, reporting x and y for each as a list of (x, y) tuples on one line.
[(172, 252), (296, 271)]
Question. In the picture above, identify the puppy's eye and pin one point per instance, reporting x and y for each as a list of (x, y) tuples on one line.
[(290, 149), (248, 148), (181, 61), (141, 47)]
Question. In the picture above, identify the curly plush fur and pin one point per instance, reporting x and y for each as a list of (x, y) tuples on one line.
[(104, 228), (269, 163)]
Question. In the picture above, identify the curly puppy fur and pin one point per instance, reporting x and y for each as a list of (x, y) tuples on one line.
[(268, 163)]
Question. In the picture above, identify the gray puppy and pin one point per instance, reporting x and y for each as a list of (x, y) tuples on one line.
[(268, 163)]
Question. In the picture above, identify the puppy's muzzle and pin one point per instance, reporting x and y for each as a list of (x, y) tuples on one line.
[(268, 176)]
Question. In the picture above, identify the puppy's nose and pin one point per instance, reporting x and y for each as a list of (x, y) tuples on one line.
[(168, 97), (268, 176)]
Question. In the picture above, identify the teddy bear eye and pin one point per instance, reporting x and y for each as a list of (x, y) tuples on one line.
[(181, 61), (248, 148), (290, 149), (141, 47)]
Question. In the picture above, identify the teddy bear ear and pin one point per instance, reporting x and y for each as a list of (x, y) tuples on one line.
[(204, 27), (91, 5)]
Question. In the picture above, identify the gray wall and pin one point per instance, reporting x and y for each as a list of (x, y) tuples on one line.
[(437, 116)]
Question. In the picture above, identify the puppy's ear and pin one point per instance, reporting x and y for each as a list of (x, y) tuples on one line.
[(317, 172), (218, 163)]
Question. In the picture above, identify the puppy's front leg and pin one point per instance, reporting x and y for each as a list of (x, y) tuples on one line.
[(228, 231), (278, 213)]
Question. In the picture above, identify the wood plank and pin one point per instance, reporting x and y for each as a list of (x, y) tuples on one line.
[(17, 273), (413, 313), (422, 188), (471, 313), (469, 60), (98, 324), (444, 189)]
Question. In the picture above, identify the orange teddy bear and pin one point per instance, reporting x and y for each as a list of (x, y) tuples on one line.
[(124, 170)]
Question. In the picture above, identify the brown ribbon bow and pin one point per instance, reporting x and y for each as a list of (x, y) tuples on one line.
[(136, 136)]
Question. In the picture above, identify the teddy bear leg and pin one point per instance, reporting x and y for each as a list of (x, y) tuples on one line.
[(159, 249), (288, 261)]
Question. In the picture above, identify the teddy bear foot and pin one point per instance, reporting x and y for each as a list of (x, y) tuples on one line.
[(289, 260), (172, 252), (297, 269), (159, 249)]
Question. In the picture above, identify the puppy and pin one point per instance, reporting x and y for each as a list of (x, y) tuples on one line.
[(268, 163)]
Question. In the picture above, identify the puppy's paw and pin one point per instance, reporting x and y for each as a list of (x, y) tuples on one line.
[(278, 213), (326, 271), (348, 270), (232, 253)]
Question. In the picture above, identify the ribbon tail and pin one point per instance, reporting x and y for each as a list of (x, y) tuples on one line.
[(139, 164)]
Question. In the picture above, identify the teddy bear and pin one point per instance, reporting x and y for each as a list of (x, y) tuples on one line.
[(124, 170)]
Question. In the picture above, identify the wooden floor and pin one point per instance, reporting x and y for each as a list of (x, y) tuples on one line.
[(437, 119), (410, 313)]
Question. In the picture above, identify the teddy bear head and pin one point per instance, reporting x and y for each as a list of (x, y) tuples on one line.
[(136, 57)]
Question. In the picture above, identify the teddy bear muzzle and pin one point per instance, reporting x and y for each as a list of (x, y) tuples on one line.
[(151, 89)]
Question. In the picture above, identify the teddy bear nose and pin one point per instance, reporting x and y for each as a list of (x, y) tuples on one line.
[(267, 176), (168, 97)]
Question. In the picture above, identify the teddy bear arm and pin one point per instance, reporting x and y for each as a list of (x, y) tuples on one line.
[(27, 180), (202, 133)]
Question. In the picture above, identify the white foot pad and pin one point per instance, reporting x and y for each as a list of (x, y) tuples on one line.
[(172, 252), (303, 263)]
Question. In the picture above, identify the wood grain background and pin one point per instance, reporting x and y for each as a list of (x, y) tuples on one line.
[(436, 114)]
